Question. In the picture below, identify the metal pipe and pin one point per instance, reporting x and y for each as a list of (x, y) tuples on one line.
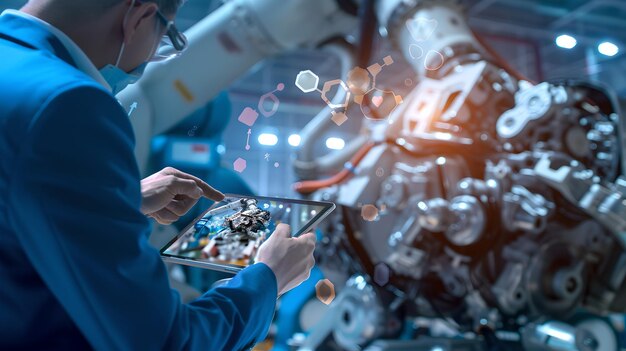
[(585, 9)]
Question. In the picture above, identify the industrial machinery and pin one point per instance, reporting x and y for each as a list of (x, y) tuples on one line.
[(501, 202), (228, 234)]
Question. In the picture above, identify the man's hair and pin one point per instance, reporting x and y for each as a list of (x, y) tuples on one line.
[(85, 7), (166, 6)]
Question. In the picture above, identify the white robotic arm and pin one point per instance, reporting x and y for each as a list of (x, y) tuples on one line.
[(222, 47)]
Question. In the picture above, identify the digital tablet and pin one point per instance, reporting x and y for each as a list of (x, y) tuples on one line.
[(226, 237)]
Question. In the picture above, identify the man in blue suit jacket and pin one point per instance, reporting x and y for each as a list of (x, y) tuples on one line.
[(76, 271)]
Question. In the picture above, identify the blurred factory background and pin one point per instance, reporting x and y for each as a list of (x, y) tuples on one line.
[(523, 32)]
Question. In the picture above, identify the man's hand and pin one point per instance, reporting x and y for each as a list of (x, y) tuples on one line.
[(168, 194), (291, 259)]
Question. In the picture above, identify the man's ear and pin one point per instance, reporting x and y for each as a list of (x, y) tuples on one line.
[(141, 14)]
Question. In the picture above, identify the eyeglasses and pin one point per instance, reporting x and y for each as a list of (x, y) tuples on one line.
[(174, 42), (173, 37)]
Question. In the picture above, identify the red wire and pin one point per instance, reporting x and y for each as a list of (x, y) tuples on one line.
[(310, 186)]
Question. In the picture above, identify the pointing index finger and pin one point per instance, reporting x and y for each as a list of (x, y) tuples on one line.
[(208, 191)]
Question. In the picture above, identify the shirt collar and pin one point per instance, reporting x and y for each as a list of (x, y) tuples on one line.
[(78, 56)]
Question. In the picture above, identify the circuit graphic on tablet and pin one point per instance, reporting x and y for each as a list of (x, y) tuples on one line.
[(232, 232)]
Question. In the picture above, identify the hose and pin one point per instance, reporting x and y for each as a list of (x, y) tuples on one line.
[(310, 186)]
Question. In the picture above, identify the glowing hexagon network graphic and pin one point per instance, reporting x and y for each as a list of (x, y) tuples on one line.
[(360, 88)]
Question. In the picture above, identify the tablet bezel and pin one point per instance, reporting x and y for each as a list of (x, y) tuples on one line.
[(328, 207)]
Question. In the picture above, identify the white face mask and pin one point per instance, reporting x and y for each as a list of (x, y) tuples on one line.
[(117, 78)]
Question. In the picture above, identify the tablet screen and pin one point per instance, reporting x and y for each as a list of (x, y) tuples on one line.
[(230, 232)]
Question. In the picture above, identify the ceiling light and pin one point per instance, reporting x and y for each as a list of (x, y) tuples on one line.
[(335, 143), (566, 41), (268, 139), (608, 49), (294, 140)]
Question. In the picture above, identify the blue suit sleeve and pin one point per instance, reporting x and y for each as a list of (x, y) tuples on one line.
[(74, 202)]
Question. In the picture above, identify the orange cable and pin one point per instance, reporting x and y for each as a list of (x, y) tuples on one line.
[(310, 186)]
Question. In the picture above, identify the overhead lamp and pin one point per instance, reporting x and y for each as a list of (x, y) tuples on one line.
[(294, 140), (608, 49), (566, 41), (335, 143), (268, 139)]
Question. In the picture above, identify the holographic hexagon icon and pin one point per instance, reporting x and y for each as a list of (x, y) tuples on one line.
[(248, 116), (379, 104), (362, 84), (380, 172), (359, 81), (433, 60), (338, 117), (239, 165), (369, 213), (415, 51), (325, 291), (307, 81), (192, 131), (273, 99), (421, 28), (381, 274), (327, 88), (375, 69)]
